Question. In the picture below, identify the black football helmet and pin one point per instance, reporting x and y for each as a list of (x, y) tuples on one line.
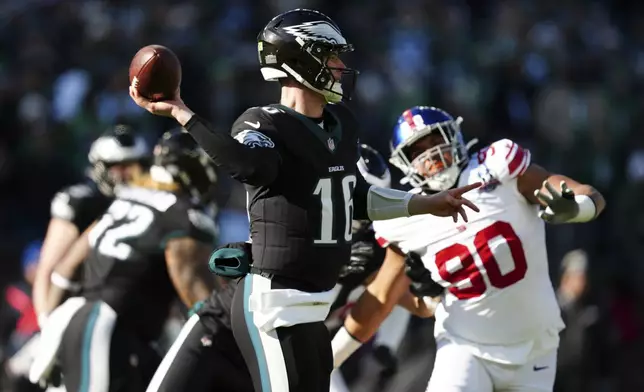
[(178, 158), (373, 167), (117, 146), (298, 44)]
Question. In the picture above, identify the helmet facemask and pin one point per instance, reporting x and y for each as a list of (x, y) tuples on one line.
[(116, 148), (437, 168), (324, 82)]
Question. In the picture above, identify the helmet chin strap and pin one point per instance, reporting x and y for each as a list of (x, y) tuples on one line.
[(333, 94)]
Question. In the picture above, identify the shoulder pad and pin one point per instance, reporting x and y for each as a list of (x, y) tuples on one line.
[(504, 159), (79, 191), (67, 201), (255, 128), (61, 207), (259, 114)]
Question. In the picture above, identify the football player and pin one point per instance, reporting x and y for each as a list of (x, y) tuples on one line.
[(498, 321), (297, 160), (115, 156), (152, 243)]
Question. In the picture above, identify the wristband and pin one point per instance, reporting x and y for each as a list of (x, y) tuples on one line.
[(343, 346), (587, 209), (62, 282)]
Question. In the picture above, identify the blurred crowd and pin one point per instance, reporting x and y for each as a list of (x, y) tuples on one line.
[(561, 77)]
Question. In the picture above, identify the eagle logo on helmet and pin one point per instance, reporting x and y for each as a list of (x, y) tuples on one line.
[(254, 139), (317, 31)]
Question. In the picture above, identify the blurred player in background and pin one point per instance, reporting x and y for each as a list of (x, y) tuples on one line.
[(115, 157), (498, 321), (152, 243)]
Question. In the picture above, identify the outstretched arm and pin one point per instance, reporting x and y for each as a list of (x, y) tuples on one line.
[(375, 203), (566, 200), (252, 164)]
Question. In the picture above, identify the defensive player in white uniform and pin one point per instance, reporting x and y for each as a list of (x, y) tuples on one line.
[(497, 321)]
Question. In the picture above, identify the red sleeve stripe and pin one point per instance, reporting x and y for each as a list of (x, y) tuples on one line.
[(382, 242), (525, 164), (516, 161), (512, 148)]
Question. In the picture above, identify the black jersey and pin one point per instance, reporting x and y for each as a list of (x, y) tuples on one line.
[(80, 204), (126, 267), (300, 178)]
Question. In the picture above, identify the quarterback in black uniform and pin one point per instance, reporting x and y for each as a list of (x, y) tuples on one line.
[(114, 157), (152, 243), (298, 162)]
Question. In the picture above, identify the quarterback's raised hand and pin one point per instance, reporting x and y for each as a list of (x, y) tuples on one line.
[(445, 203), (561, 206), (170, 108)]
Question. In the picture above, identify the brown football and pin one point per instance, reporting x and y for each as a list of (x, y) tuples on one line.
[(155, 71)]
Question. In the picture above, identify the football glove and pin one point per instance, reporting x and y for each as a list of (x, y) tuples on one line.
[(561, 206), (422, 284), (366, 255), (361, 253)]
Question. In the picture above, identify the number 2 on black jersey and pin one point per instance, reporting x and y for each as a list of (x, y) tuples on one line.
[(324, 189), (123, 220)]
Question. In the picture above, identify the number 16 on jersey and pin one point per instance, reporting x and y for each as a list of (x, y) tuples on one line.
[(334, 193)]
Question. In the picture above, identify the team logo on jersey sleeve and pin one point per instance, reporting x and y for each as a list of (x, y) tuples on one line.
[(490, 183), (253, 139)]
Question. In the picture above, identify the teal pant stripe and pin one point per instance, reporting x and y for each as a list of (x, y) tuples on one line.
[(254, 337), (85, 349)]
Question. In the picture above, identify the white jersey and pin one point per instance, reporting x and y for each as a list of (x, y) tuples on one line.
[(495, 267)]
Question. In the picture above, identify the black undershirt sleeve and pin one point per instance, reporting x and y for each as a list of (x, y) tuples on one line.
[(255, 166), (360, 198)]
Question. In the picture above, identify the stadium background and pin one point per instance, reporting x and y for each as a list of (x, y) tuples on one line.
[(562, 77)]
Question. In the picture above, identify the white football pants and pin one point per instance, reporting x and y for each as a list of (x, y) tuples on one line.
[(456, 369)]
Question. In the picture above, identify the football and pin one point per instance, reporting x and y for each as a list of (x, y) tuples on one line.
[(155, 71)]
